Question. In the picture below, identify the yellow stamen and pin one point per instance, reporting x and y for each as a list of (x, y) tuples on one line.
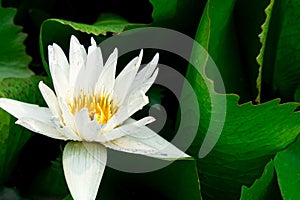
[(99, 108)]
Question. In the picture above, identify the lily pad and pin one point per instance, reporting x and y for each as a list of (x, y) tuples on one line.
[(14, 61)]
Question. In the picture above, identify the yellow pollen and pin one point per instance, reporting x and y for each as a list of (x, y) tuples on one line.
[(99, 108)]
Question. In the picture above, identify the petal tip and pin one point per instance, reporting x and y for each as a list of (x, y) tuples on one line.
[(93, 42)]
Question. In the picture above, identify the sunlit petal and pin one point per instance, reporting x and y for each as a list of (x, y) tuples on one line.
[(90, 72), (50, 99), (83, 165), (25, 110), (125, 79), (146, 142), (60, 59), (65, 130), (77, 59), (146, 77), (127, 128), (106, 81), (59, 68), (43, 128), (67, 116), (88, 129)]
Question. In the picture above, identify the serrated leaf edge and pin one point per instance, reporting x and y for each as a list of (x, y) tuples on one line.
[(262, 39)]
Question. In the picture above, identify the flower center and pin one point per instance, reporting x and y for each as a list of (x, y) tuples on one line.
[(99, 108)]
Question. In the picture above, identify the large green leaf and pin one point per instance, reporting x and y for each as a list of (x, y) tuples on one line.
[(13, 137), (250, 137), (251, 134), (13, 59), (217, 34), (283, 60), (176, 13), (263, 188), (287, 168)]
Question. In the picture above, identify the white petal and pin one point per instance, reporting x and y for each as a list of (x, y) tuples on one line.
[(61, 59), (146, 142), (25, 110), (69, 133), (89, 74), (65, 130), (97, 57), (36, 126), (126, 129), (83, 165), (50, 98), (77, 56), (125, 79), (146, 77), (68, 117), (88, 129), (37, 119), (59, 69), (133, 104), (106, 81)]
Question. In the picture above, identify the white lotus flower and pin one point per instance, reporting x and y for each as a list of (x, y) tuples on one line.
[(92, 108)]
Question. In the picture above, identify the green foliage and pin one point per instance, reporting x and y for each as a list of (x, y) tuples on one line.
[(288, 171), (249, 27), (286, 66), (263, 188), (245, 146), (13, 58), (170, 14), (217, 34), (252, 134)]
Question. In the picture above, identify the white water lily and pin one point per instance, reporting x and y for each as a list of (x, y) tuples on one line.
[(92, 108)]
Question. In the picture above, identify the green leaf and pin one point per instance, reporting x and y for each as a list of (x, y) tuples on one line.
[(287, 168), (250, 135), (263, 188), (217, 34), (283, 44), (13, 137), (107, 23), (252, 21), (176, 13), (13, 59)]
